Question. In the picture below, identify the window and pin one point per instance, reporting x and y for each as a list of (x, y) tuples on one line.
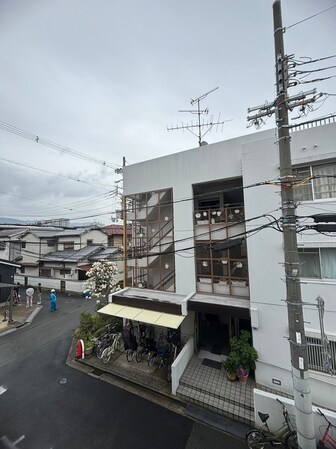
[(317, 263), (22, 269), (44, 272), (64, 271), (89, 242), (2, 246), (321, 358), (23, 244), (51, 242), (69, 245), (322, 187)]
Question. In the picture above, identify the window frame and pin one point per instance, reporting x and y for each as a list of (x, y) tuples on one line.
[(319, 251), (312, 185)]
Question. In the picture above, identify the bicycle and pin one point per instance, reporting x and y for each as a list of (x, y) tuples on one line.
[(114, 346), (327, 440), (285, 435), (105, 340)]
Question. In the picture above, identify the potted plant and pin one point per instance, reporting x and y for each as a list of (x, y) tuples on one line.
[(246, 354), (230, 364)]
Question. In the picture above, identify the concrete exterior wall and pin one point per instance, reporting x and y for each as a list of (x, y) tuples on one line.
[(266, 259), (49, 283)]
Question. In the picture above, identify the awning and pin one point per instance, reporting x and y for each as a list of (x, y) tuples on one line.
[(143, 315)]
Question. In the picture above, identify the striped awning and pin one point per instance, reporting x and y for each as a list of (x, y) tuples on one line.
[(143, 315)]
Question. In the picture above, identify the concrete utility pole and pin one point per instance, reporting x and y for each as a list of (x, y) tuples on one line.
[(124, 233), (297, 339)]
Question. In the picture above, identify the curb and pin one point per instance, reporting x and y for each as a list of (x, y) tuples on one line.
[(28, 321)]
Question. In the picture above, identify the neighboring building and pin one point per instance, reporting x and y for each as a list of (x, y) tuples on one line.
[(37, 243), (204, 247), (115, 234), (59, 222), (10, 244), (7, 272), (73, 264)]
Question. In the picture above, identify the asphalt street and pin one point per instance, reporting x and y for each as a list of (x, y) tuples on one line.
[(57, 407)]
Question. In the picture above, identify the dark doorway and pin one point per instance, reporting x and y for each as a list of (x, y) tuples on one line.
[(215, 331)]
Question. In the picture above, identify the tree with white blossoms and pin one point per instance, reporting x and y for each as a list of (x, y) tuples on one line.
[(101, 281)]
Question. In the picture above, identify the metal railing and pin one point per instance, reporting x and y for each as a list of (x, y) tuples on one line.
[(317, 357)]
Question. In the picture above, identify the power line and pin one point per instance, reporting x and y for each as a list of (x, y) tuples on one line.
[(53, 145), (308, 18), (21, 164)]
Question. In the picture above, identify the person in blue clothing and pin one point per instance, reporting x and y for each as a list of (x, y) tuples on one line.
[(53, 300)]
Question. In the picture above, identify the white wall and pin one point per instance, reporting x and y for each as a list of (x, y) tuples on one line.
[(49, 283), (180, 171), (266, 259)]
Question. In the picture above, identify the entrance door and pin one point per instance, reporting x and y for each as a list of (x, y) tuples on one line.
[(214, 334)]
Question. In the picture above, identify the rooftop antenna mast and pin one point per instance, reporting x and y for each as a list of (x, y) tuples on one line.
[(199, 125)]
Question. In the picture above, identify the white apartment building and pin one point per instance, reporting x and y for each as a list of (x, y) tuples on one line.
[(205, 246)]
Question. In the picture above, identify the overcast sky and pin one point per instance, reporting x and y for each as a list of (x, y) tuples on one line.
[(105, 78)]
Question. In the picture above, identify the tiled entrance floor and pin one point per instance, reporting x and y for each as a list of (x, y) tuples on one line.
[(210, 388)]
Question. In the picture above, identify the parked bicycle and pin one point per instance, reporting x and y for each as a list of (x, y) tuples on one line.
[(328, 439), (285, 435), (102, 342), (115, 345)]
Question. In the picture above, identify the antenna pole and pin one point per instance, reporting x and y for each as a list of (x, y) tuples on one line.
[(199, 126)]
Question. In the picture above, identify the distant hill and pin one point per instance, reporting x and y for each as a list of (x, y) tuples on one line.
[(13, 221)]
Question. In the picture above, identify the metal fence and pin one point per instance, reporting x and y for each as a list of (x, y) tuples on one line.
[(320, 358)]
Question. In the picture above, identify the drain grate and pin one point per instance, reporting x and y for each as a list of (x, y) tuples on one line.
[(97, 372)]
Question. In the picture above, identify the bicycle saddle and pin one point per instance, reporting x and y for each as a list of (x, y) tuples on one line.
[(263, 416)]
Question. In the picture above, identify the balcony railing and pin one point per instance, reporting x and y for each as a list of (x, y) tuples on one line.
[(230, 214)]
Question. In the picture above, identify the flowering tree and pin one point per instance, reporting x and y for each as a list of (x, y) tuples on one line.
[(101, 280)]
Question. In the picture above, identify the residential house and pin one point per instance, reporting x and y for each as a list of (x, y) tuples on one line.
[(115, 234), (37, 243), (207, 248)]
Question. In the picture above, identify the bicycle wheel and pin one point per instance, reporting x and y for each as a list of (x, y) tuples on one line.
[(254, 439), (291, 441), (129, 355), (139, 354), (106, 355), (117, 345), (151, 359)]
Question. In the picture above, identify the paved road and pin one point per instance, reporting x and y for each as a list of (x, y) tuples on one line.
[(57, 407)]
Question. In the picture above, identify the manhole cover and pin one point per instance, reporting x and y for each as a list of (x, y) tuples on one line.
[(68, 301), (62, 381)]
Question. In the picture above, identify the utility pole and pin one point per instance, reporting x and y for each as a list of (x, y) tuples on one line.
[(297, 338), (124, 232)]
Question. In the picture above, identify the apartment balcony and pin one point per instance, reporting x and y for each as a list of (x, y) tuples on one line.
[(219, 224)]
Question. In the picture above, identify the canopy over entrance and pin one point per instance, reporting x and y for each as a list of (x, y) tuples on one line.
[(143, 315)]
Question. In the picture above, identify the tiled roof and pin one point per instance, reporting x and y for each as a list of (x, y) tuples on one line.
[(71, 255), (105, 254), (115, 229)]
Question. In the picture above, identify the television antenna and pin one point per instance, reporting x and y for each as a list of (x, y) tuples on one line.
[(200, 125)]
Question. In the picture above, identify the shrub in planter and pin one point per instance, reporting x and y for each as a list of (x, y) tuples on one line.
[(246, 353), (230, 364)]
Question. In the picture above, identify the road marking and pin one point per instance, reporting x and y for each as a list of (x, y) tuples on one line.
[(2, 389)]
